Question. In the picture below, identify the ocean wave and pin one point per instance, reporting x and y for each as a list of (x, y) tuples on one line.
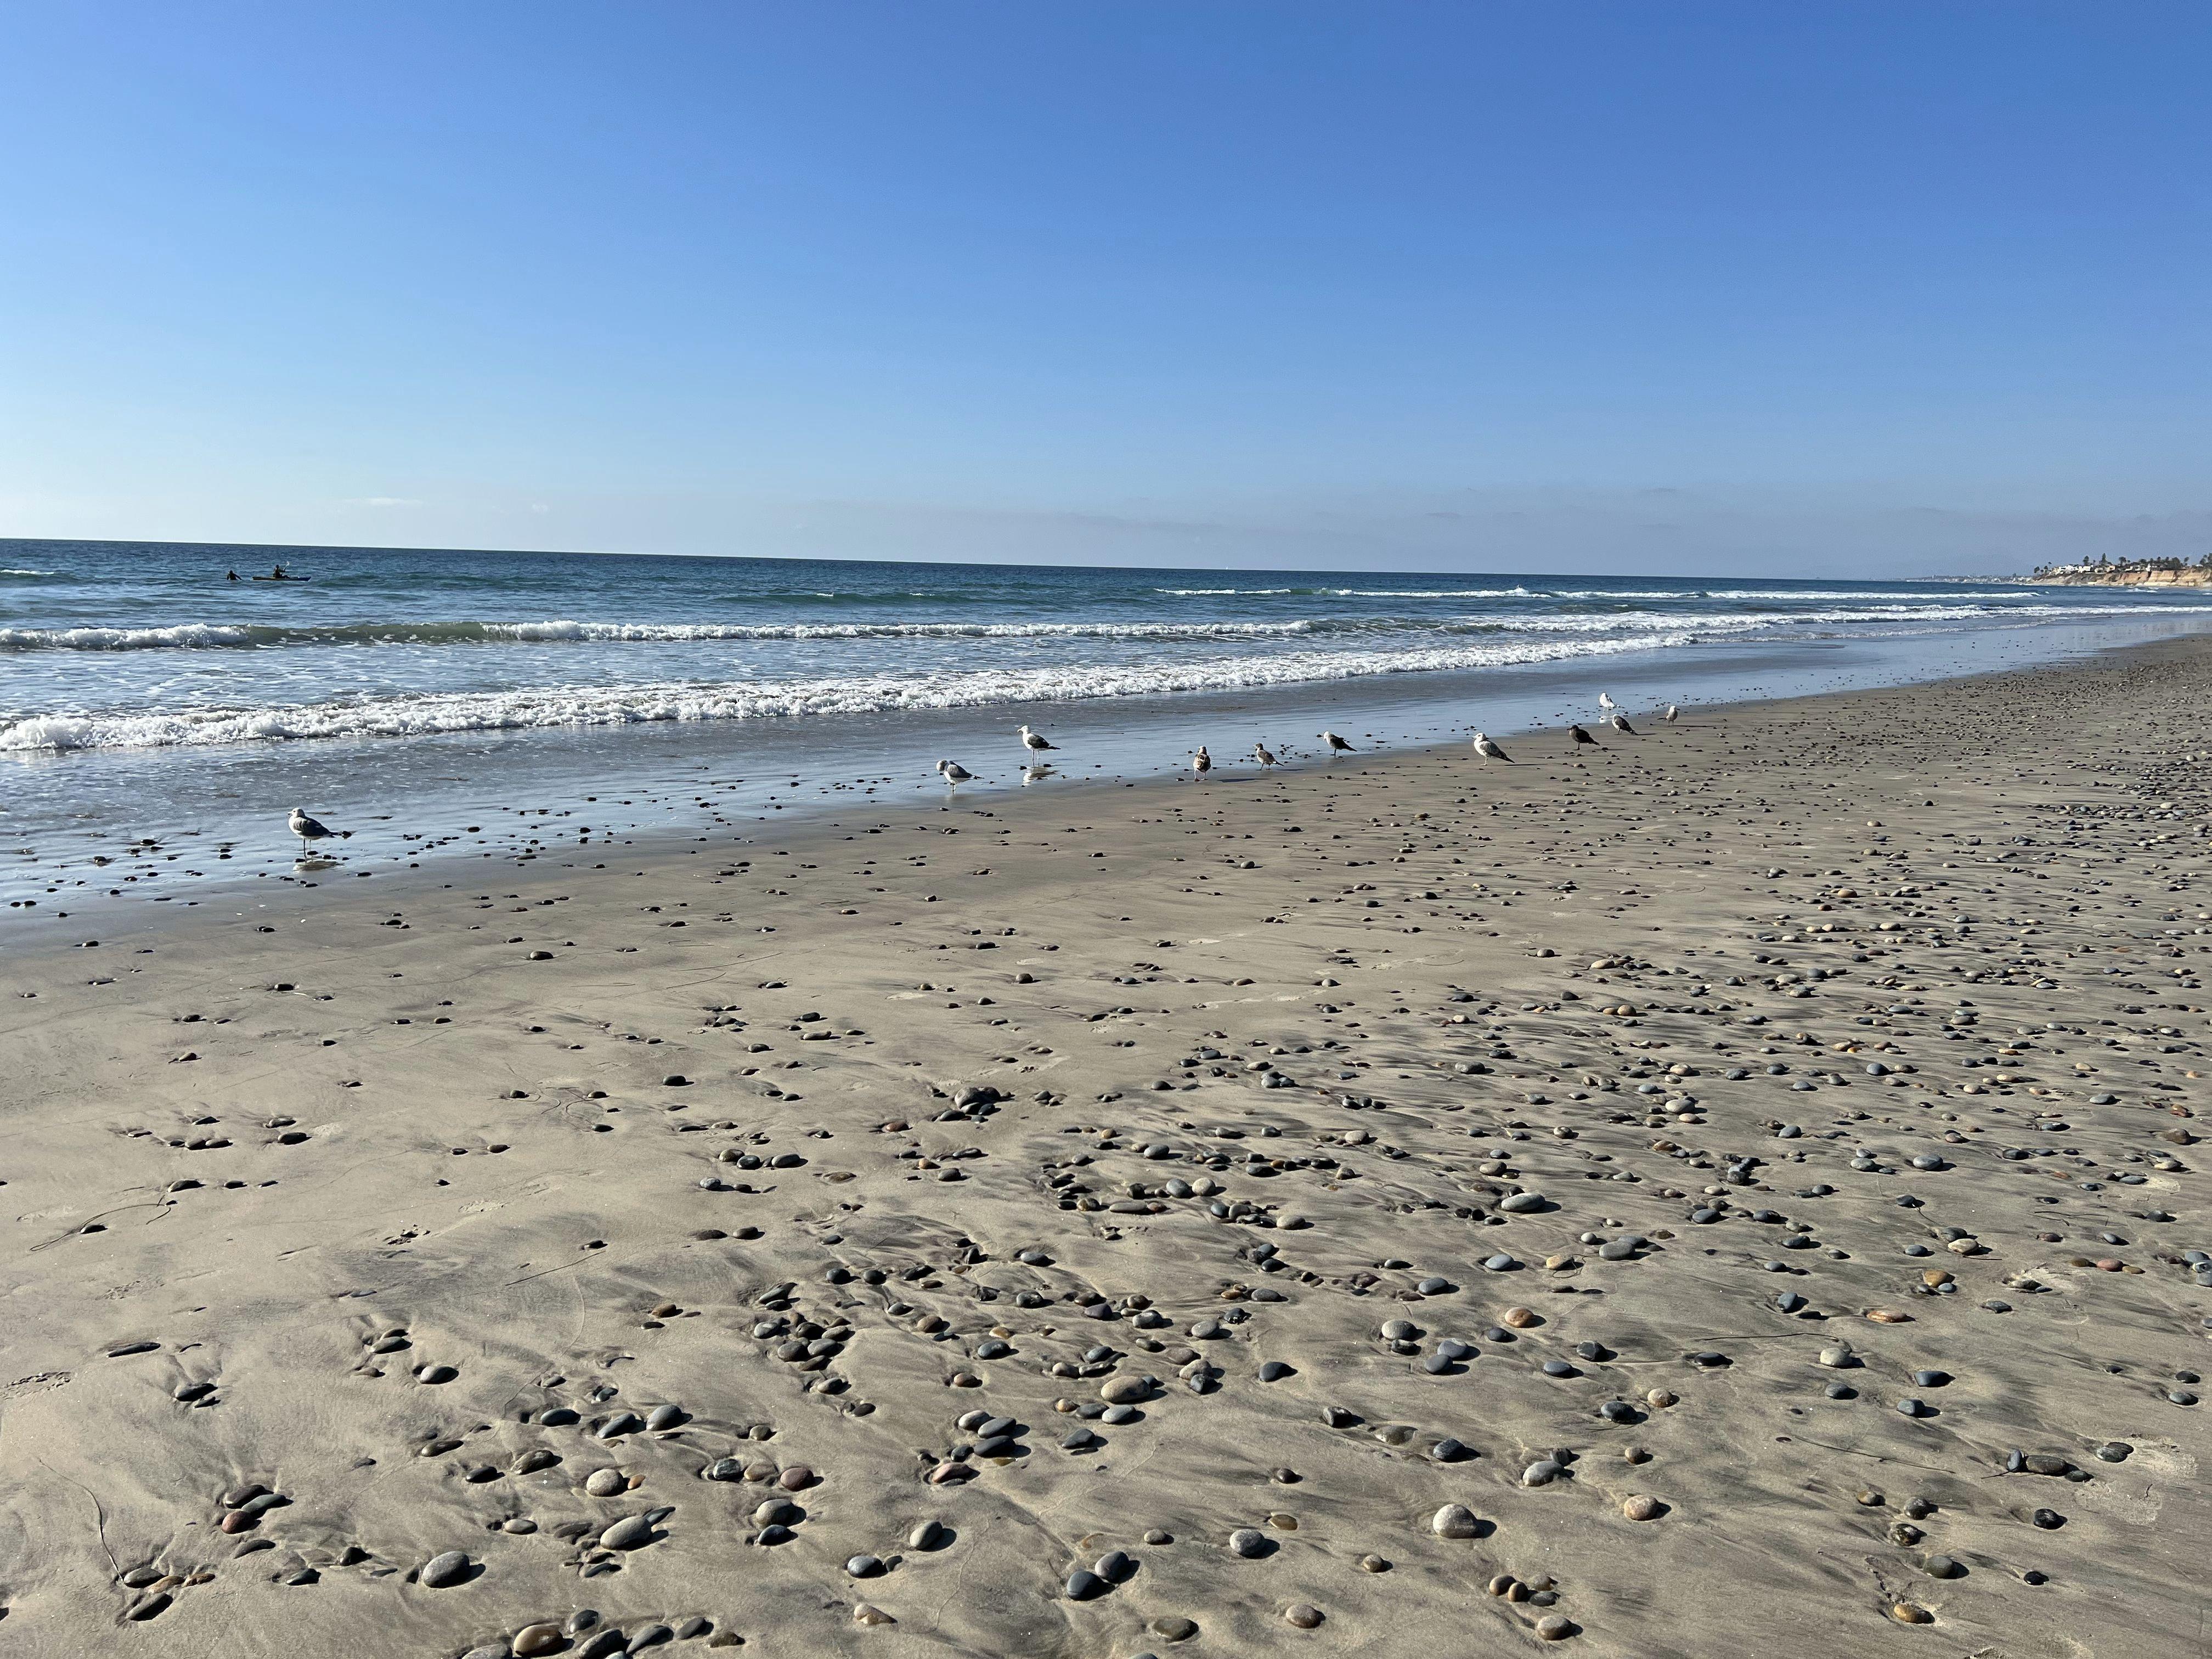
[(445, 713), (210, 635), (29, 572), (231, 636)]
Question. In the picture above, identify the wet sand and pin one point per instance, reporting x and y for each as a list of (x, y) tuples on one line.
[(1730, 1190)]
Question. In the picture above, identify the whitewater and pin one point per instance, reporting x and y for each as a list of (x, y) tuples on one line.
[(114, 646)]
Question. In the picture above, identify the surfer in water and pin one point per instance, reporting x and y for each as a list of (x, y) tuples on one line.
[(233, 576)]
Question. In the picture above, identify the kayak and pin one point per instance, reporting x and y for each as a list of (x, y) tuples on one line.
[(283, 578)]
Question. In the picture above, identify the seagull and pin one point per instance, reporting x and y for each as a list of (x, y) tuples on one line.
[(1487, 746), (1581, 737), (310, 829), (1336, 745), (1031, 740), (1620, 724), (1605, 702), (1672, 714), (955, 773), (1264, 755), (1202, 762)]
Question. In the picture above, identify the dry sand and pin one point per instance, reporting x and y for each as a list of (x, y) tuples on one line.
[(1748, 1171)]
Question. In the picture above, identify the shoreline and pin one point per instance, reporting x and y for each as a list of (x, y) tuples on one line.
[(1868, 1025), (633, 775)]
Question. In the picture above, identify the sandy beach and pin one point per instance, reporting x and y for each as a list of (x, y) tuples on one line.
[(1733, 1190)]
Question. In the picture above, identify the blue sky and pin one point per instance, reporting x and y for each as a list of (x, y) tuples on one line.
[(1831, 288)]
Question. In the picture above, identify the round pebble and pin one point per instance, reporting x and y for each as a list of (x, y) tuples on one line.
[(440, 1571), (1454, 1521)]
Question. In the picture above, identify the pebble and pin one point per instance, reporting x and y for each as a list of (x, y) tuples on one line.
[(1640, 1508), (630, 1532), (1454, 1521), (1304, 1614), (439, 1570), (605, 1483), (1248, 1541)]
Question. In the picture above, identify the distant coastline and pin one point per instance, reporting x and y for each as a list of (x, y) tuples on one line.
[(2128, 572)]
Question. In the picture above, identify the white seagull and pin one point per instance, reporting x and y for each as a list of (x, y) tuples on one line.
[(955, 773), (1605, 702), (1031, 741), (1672, 714), (1487, 746), (311, 829), (1264, 755), (1202, 762), (1336, 745)]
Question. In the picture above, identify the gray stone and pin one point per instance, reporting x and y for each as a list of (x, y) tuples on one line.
[(450, 1567), (1454, 1521)]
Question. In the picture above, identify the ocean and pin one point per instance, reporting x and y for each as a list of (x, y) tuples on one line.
[(144, 696)]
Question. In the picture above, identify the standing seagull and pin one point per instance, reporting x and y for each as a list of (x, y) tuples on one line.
[(311, 829), (1581, 737), (1619, 723), (1672, 714), (1034, 743), (955, 773), (1336, 745), (1264, 755), (1487, 746), (1202, 762), (1605, 702)]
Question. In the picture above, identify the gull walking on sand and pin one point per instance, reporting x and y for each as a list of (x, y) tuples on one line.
[(1034, 743), (1336, 745), (313, 830), (1619, 723), (1581, 737), (1264, 755), (1202, 762), (1487, 746), (1672, 714), (955, 773)]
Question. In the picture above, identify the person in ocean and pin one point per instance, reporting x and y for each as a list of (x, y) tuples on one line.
[(278, 573), (233, 576)]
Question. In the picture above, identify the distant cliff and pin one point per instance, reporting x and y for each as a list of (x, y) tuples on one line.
[(2128, 572)]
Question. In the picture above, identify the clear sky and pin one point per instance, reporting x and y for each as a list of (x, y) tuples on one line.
[(1559, 284)]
